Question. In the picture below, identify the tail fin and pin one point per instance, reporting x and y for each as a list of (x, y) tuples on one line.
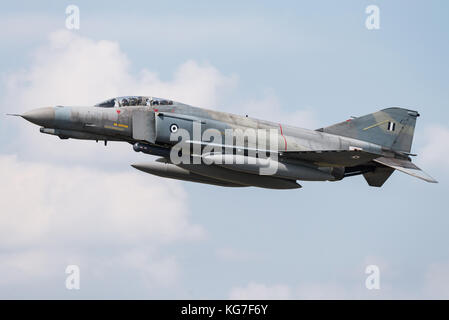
[(392, 128)]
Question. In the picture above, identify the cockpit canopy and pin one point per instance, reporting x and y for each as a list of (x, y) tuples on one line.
[(133, 101)]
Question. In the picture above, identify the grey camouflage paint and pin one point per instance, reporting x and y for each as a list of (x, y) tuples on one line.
[(341, 150)]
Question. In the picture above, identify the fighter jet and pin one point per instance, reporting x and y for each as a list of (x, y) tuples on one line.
[(229, 150)]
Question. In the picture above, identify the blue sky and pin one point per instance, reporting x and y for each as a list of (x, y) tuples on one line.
[(309, 63)]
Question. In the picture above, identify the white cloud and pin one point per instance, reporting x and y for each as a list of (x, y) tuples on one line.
[(40, 201), (435, 151), (50, 212), (75, 70)]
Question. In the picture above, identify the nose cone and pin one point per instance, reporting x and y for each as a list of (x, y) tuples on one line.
[(44, 117)]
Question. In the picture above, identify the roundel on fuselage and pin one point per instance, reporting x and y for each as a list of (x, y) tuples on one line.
[(173, 128)]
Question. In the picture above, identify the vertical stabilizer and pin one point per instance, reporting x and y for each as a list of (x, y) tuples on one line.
[(392, 128)]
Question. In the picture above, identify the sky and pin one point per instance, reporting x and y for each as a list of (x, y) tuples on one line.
[(135, 236)]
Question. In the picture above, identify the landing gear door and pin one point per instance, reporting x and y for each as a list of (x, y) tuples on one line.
[(144, 125)]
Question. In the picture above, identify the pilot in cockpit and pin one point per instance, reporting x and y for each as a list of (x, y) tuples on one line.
[(124, 102)]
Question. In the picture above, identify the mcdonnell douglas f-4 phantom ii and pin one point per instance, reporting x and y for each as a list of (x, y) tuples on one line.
[(217, 148)]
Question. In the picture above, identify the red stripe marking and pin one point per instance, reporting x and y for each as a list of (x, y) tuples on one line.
[(285, 140)]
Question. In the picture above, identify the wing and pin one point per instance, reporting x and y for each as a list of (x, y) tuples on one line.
[(325, 158), (331, 158)]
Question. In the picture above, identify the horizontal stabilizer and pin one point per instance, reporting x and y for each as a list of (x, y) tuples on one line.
[(405, 166)]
